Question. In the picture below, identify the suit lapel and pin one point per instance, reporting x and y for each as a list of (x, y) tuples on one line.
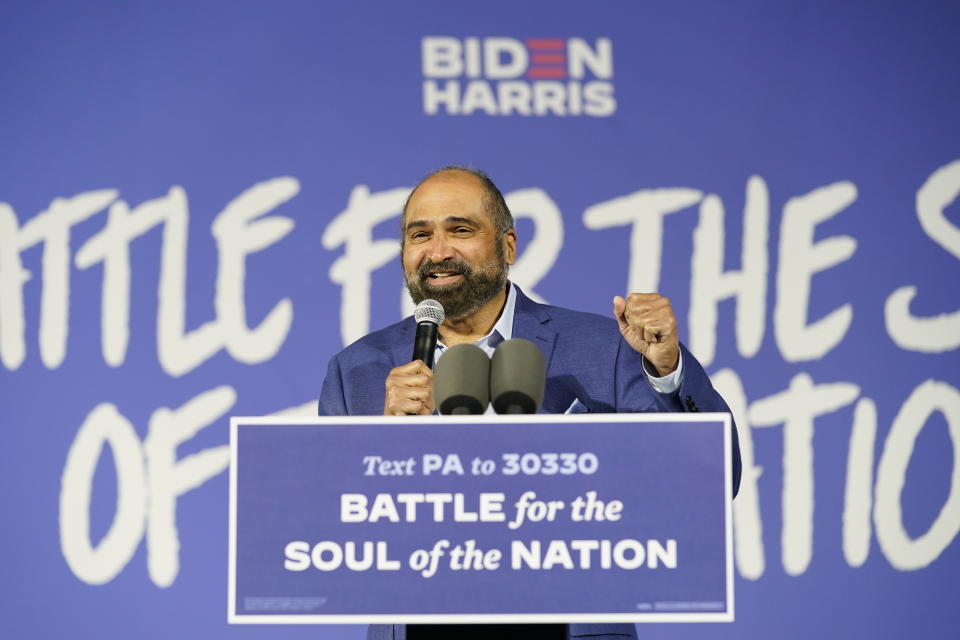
[(532, 322), (403, 346)]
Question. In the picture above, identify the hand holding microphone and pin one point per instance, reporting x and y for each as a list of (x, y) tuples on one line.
[(466, 380), (409, 387)]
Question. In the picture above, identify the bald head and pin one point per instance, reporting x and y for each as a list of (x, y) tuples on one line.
[(492, 201)]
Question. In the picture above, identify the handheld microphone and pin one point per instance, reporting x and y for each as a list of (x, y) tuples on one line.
[(461, 383), (518, 375), (429, 316)]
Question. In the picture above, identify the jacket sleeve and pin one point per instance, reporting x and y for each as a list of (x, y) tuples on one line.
[(696, 393), (332, 402)]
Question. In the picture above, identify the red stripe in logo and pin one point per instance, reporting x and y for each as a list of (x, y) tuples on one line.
[(548, 57), (541, 72), (545, 43)]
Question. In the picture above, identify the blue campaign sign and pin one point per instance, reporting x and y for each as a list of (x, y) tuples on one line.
[(490, 519)]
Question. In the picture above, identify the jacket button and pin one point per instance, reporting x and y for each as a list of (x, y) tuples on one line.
[(690, 404)]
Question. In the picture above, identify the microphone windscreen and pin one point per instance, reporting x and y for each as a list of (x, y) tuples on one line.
[(518, 375), (429, 310), (461, 380)]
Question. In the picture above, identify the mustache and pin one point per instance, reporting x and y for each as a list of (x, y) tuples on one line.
[(458, 266)]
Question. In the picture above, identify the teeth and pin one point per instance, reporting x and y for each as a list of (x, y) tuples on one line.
[(441, 275)]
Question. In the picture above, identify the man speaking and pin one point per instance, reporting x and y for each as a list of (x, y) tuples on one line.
[(457, 239)]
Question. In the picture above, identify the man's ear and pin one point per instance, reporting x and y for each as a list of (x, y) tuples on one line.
[(510, 246)]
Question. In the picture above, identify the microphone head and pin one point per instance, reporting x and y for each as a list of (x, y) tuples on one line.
[(518, 375), (429, 310), (461, 381)]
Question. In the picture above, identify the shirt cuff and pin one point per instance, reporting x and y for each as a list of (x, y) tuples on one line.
[(668, 383)]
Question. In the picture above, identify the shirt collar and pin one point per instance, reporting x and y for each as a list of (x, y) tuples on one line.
[(503, 329), (504, 324)]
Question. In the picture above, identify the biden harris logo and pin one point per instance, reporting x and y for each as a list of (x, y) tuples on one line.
[(512, 77)]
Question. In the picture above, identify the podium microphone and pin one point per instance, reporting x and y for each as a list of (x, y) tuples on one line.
[(429, 316), (461, 383), (518, 376)]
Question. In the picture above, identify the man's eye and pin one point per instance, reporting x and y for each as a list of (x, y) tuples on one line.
[(419, 236), (463, 230)]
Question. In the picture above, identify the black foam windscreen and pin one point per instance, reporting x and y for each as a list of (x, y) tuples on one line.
[(518, 375), (461, 381)]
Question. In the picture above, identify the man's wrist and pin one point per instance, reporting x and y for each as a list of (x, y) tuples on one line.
[(664, 384)]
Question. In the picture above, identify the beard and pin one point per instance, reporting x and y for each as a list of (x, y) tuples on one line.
[(478, 286)]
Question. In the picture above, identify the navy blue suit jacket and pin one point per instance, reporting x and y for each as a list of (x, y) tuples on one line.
[(587, 361)]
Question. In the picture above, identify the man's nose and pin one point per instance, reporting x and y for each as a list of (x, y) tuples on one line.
[(440, 249)]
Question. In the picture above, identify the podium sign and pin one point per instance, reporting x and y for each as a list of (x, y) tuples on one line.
[(496, 519)]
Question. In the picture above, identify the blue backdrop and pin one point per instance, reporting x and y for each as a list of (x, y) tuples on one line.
[(198, 207)]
